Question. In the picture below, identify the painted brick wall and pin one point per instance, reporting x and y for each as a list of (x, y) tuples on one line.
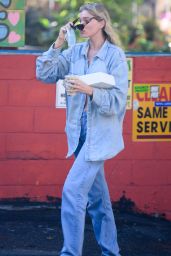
[(33, 143)]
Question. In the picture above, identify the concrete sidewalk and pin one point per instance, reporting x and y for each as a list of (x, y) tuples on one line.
[(35, 230)]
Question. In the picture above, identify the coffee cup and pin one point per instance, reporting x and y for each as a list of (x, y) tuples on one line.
[(68, 86)]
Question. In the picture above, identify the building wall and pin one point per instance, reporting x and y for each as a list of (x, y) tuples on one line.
[(33, 143)]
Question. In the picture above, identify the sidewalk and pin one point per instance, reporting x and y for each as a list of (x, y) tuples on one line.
[(35, 230)]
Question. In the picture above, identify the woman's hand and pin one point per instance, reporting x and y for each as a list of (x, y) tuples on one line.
[(80, 86), (61, 37)]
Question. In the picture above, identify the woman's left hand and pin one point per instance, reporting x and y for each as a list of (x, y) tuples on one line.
[(80, 86)]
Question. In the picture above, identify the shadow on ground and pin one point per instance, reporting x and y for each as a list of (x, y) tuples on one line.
[(35, 229)]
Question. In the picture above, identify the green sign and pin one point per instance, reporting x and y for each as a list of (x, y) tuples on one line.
[(12, 23), (141, 88)]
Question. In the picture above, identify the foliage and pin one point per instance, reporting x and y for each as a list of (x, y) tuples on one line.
[(147, 38), (42, 26)]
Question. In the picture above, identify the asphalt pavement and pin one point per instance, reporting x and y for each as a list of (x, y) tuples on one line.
[(34, 229)]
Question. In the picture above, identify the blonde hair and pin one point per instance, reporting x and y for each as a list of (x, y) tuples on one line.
[(100, 13)]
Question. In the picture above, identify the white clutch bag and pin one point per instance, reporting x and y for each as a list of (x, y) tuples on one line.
[(99, 80)]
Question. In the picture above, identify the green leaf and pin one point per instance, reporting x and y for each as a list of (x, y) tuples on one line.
[(45, 22)]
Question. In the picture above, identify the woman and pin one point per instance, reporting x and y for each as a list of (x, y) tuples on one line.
[(93, 126)]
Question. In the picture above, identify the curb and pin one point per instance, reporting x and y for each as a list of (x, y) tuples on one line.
[(28, 253)]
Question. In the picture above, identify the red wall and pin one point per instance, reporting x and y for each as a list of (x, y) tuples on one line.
[(33, 143)]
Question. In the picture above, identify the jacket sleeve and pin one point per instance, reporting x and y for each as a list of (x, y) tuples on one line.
[(113, 101), (53, 65)]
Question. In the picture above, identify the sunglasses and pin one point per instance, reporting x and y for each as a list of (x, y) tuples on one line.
[(81, 26), (78, 26)]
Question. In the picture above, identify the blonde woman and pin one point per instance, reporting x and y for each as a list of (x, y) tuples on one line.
[(94, 120)]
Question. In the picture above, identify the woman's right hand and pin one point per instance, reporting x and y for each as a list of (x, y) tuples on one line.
[(62, 34)]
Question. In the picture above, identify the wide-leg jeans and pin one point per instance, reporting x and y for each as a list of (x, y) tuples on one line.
[(86, 188)]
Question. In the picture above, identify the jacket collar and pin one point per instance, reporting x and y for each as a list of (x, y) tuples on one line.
[(100, 54)]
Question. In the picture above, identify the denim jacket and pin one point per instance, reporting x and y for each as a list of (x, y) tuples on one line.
[(105, 111)]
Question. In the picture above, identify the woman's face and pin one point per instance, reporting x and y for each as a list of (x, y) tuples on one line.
[(92, 26)]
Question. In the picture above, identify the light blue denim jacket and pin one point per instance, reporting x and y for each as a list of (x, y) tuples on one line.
[(105, 111)]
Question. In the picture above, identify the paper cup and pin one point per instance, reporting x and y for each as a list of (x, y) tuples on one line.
[(69, 89)]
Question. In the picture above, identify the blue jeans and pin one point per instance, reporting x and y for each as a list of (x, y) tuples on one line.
[(86, 188)]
